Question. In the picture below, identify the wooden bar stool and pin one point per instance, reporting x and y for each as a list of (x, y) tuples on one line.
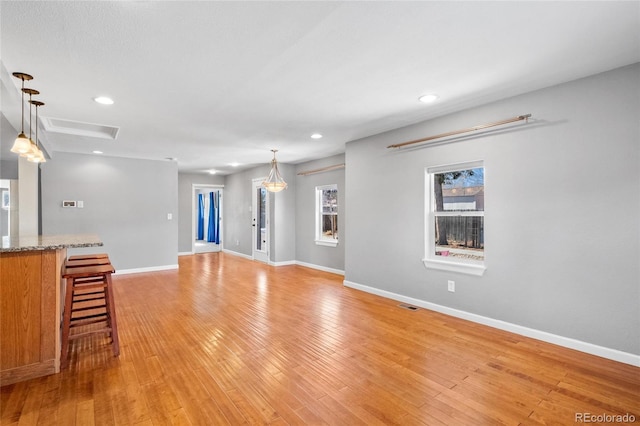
[(88, 303), (95, 260), (88, 256), (87, 262)]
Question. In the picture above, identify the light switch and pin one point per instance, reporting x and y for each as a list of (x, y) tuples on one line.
[(80, 204), (169, 216)]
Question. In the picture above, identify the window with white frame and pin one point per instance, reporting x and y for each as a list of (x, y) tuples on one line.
[(327, 215), (455, 218)]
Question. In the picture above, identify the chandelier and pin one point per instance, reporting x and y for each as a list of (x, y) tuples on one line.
[(275, 182)]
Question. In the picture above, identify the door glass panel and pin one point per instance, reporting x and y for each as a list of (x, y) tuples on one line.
[(261, 234)]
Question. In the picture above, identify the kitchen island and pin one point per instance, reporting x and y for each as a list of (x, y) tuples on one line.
[(30, 303)]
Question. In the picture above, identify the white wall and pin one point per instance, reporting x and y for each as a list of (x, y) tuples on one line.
[(28, 201), (126, 203), (562, 207)]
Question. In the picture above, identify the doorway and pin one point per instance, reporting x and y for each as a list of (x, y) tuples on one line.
[(260, 221), (5, 212), (206, 235)]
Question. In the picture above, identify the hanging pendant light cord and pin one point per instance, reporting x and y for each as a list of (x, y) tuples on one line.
[(22, 105), (37, 126), (29, 116)]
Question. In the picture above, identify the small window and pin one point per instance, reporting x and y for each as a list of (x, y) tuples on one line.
[(327, 215), (455, 218)]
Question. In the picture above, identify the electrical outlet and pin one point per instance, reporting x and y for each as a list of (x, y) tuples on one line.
[(451, 286)]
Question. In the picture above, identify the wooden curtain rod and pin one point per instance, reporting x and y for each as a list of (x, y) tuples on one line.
[(324, 169), (457, 132)]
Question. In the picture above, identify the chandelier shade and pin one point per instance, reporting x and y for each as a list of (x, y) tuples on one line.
[(22, 144)]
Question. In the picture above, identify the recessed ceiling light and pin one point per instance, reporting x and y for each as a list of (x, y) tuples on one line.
[(234, 164), (103, 100), (98, 152), (428, 98), (316, 136), (212, 172)]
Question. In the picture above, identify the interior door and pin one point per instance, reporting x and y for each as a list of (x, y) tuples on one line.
[(260, 222)]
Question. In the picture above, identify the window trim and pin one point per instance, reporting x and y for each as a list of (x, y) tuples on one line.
[(319, 241), (430, 261)]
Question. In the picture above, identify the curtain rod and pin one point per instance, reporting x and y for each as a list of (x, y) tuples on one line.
[(324, 169), (457, 132)]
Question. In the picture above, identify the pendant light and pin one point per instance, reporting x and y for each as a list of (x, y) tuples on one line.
[(39, 156), (33, 149), (22, 145), (274, 182)]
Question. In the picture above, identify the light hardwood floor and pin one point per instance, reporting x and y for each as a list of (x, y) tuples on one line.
[(224, 340)]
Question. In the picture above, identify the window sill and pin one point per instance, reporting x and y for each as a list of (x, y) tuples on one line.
[(463, 268), (326, 243)]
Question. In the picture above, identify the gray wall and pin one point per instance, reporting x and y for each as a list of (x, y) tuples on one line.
[(185, 212), (9, 169), (237, 214), (562, 208), (126, 203), (8, 160), (283, 214), (237, 210), (306, 249)]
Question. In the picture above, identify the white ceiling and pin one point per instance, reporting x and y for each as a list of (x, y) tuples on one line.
[(211, 83)]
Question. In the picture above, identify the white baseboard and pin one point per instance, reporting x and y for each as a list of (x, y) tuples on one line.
[(307, 265), (149, 269), (285, 263), (320, 268), (185, 253), (235, 253), (288, 262), (567, 342)]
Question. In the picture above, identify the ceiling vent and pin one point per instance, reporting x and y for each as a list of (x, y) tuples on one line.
[(78, 128)]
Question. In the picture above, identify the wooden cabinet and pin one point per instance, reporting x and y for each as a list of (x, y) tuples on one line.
[(30, 287)]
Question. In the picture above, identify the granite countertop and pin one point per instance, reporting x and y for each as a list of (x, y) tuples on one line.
[(49, 242)]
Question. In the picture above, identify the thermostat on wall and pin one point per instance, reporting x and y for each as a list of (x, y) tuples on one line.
[(67, 203)]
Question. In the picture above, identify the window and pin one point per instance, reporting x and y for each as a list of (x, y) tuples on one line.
[(455, 218), (327, 215)]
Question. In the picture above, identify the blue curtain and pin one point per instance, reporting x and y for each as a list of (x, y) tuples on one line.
[(217, 217), (200, 217), (213, 218), (211, 228), (209, 211)]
